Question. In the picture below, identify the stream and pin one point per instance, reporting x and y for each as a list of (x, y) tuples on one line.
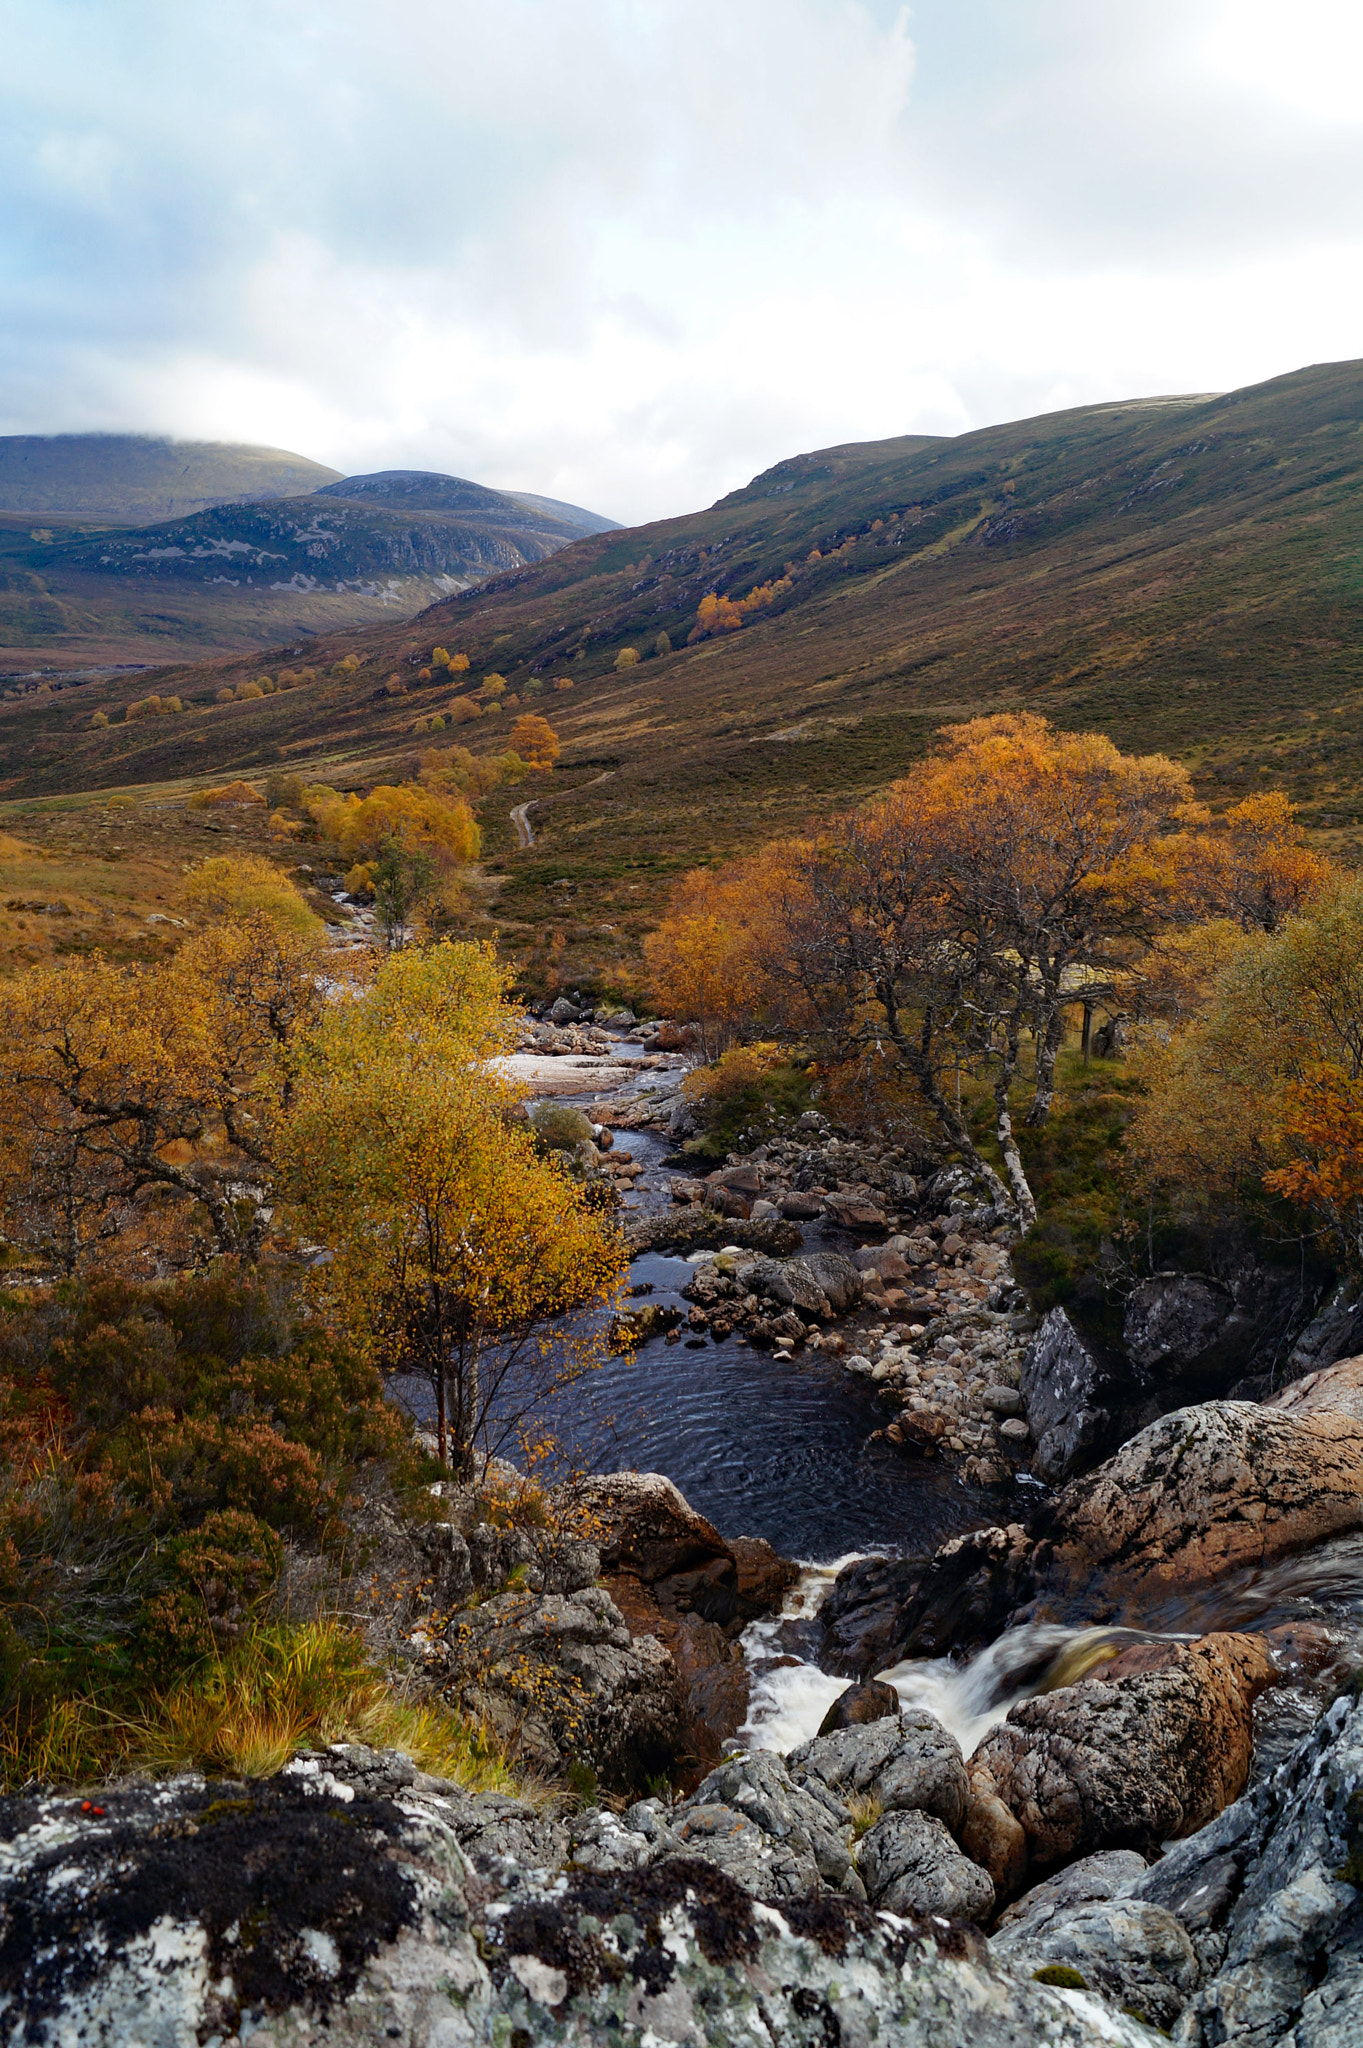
[(781, 1449)]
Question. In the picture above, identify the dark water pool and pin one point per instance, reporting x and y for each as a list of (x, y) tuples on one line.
[(763, 1448)]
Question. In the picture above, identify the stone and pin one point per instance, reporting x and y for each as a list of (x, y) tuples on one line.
[(764, 1576), (564, 1012), (871, 1700), (762, 1210), (790, 1283), (838, 1278), (1015, 1431), (1136, 1954), (1203, 1492), (618, 1020), (801, 1208), (1065, 1397), (1334, 1390), (1129, 1762), (648, 1527), (910, 1864), (854, 1212), (1100, 1876), (881, 1260), (906, 1761), (726, 1202), (862, 1618), (811, 1828), (1001, 1401)]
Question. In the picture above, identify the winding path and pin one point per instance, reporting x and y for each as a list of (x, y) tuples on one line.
[(520, 821)]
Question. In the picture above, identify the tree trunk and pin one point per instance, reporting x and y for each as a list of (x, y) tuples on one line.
[(1008, 1145), (1086, 1038), (441, 1432), (1047, 1047), (954, 1126)]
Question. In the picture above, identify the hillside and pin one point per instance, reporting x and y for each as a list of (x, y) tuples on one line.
[(135, 478), (237, 577), (1184, 573)]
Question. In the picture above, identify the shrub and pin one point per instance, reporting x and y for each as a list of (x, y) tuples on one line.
[(226, 695), (492, 686), (228, 793), (462, 710), (235, 885), (99, 721), (246, 692), (559, 1127), (283, 789), (662, 645), (563, 682), (628, 657), (347, 665), (151, 707)]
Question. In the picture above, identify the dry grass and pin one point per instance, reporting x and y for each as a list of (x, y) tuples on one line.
[(866, 1809), (245, 1714)]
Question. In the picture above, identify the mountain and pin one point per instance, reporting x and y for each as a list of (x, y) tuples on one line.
[(241, 576), (427, 491), (1185, 573), (134, 478)]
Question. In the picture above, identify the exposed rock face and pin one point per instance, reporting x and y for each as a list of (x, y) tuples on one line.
[(839, 1279), (1137, 1954), (1066, 1398), (1200, 1494), (1335, 1390), (1125, 1763), (648, 1527), (1092, 1878), (862, 1617), (910, 1864), (561, 1678), (906, 1761), (300, 1910)]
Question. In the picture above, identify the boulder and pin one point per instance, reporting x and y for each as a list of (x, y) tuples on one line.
[(861, 1704), (1334, 1390), (907, 1761), (647, 1527), (964, 1595), (862, 1617), (838, 1278), (564, 1012), (1129, 1762), (1100, 1876), (1227, 1486), (741, 1180), (789, 1282), (764, 1576), (777, 1837), (880, 1259), (727, 1202), (854, 1212), (1065, 1396), (909, 1863), (560, 1679), (801, 1208), (1137, 1954), (1269, 1895)]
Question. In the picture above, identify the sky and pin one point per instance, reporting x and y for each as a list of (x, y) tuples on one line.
[(632, 252)]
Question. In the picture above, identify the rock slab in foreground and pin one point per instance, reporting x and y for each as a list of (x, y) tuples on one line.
[(301, 1910)]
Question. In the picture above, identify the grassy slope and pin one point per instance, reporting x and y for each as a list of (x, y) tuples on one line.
[(1185, 574), (140, 477)]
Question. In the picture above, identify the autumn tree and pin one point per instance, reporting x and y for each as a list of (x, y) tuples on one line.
[(129, 1093), (236, 886), (408, 814), (535, 740), (706, 960), (456, 1252), (1264, 1085)]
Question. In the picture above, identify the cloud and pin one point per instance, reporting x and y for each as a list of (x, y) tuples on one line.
[(631, 254)]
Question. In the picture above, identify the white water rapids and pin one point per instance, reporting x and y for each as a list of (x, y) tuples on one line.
[(790, 1696)]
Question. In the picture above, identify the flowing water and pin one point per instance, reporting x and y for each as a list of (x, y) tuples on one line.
[(781, 1449)]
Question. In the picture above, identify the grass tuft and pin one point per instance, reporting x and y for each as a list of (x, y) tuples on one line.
[(244, 1714)]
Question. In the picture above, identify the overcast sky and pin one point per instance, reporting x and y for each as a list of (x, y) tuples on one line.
[(630, 252)]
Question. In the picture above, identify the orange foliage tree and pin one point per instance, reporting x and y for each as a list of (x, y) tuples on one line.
[(535, 740), (709, 959)]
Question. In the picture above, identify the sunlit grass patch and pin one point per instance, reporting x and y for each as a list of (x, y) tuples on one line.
[(284, 1689)]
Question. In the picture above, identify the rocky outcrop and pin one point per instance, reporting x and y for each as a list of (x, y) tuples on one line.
[(304, 1909), (1193, 1499), (777, 1838), (1121, 1763), (862, 1618), (1138, 1955), (560, 1679), (910, 1864)]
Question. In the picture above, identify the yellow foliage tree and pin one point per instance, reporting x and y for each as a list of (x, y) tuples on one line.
[(457, 1252), (135, 1103), (407, 814), (535, 740), (239, 885)]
